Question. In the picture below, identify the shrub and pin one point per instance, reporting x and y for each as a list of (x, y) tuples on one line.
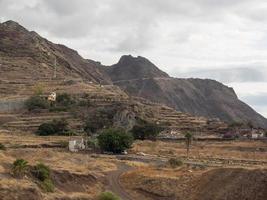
[(56, 127), (39, 89), (114, 140), (174, 162), (41, 172), (108, 196), (92, 126), (36, 102), (64, 100), (93, 143), (97, 120), (146, 130), (19, 168), (48, 185), (2, 146)]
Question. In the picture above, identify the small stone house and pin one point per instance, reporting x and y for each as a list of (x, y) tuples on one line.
[(76, 145)]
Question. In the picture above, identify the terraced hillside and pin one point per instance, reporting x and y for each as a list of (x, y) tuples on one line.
[(31, 64)]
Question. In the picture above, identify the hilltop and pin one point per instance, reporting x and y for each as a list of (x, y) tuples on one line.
[(137, 76)]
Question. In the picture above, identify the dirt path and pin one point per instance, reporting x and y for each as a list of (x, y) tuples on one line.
[(114, 182)]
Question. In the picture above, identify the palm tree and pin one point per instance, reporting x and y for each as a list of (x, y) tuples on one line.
[(188, 139), (19, 168)]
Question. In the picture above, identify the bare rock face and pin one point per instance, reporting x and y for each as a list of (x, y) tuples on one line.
[(124, 119), (200, 97)]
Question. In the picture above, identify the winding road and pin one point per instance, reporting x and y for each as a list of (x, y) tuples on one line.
[(114, 181)]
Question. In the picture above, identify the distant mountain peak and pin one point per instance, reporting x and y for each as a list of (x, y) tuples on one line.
[(130, 67), (12, 25), (129, 59)]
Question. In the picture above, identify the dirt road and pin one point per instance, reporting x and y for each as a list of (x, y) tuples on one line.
[(114, 181)]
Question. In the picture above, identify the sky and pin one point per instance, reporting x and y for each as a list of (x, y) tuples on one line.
[(224, 40)]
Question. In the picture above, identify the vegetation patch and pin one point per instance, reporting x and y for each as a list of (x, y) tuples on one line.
[(43, 174), (56, 127), (115, 140), (19, 167), (108, 196), (175, 162), (145, 130), (36, 103), (2, 146)]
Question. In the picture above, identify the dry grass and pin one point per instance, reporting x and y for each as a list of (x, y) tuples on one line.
[(252, 150)]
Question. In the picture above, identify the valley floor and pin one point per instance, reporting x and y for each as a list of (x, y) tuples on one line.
[(215, 170)]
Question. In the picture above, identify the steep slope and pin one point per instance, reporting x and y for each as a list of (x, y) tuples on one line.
[(199, 97), (21, 49)]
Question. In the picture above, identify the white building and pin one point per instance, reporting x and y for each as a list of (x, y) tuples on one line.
[(76, 145)]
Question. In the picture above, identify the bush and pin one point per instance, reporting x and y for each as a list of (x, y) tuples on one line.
[(64, 100), (36, 103), (146, 130), (93, 143), (174, 162), (43, 174), (108, 196), (2, 147), (48, 185), (56, 127), (114, 140), (19, 168), (92, 126), (39, 89)]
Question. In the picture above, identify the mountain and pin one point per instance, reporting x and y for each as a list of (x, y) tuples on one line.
[(27, 59), (200, 97), (130, 67), (23, 49), (29, 63)]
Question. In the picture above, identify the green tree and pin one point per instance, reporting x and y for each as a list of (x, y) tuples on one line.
[(188, 139), (19, 168), (114, 140), (146, 130)]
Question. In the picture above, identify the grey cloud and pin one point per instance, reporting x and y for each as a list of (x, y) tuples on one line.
[(257, 100)]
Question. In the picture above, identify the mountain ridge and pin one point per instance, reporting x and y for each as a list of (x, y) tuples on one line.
[(200, 97), (26, 56)]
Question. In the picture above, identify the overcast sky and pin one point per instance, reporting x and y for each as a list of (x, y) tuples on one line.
[(224, 40)]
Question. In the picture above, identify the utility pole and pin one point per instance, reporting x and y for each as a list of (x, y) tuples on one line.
[(55, 68)]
